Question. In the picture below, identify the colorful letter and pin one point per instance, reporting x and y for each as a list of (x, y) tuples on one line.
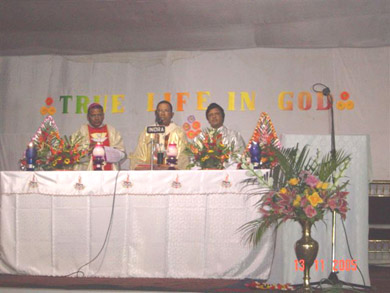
[(150, 108), (320, 102), (250, 102), (82, 102), (288, 106), (232, 96), (181, 101), (96, 99), (65, 103), (301, 100), (201, 99), (116, 103)]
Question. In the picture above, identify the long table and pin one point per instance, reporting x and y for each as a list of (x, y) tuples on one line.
[(179, 224), (168, 224)]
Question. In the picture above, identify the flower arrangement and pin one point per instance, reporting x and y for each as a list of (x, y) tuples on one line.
[(299, 188), (61, 153), (208, 150), (55, 152), (265, 136)]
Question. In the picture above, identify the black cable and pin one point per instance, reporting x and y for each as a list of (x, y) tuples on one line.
[(79, 271), (343, 283), (350, 254)]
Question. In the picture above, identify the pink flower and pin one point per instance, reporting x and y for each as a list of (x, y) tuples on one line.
[(332, 203), (304, 201), (310, 211), (311, 180)]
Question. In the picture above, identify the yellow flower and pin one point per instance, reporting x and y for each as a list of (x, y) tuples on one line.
[(293, 181), (210, 151), (204, 158), (297, 201), (66, 161), (322, 185), (283, 191), (314, 199)]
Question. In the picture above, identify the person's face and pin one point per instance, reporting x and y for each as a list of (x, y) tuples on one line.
[(215, 118), (96, 117), (164, 113)]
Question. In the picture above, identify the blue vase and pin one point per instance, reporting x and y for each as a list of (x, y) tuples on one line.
[(255, 152)]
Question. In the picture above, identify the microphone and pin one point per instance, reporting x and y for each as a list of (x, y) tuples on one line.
[(325, 91)]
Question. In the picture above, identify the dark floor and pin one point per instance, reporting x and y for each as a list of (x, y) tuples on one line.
[(380, 282)]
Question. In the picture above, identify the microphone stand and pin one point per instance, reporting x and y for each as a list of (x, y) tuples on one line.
[(332, 278), (333, 275), (151, 153)]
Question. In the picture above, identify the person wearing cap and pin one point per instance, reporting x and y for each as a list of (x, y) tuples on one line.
[(140, 158), (96, 131), (215, 115)]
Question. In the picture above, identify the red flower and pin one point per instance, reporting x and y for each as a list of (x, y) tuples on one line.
[(49, 101)]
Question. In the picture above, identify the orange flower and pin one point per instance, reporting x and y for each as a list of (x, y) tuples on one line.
[(196, 125), (44, 110), (52, 110), (191, 134), (340, 105), (350, 105)]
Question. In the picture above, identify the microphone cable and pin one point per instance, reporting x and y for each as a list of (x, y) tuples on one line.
[(79, 272)]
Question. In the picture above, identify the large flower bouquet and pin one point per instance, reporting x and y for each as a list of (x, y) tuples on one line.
[(208, 151), (299, 188), (60, 153), (55, 152)]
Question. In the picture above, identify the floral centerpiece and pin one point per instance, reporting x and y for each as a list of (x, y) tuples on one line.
[(299, 188), (63, 154), (55, 152), (265, 136), (208, 151)]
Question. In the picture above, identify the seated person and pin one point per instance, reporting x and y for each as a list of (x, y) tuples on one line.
[(216, 116), (173, 134), (95, 131)]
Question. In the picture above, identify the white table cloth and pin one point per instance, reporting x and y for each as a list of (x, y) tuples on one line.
[(175, 224)]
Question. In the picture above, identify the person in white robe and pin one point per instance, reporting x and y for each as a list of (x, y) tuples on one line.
[(216, 116), (140, 159), (96, 131)]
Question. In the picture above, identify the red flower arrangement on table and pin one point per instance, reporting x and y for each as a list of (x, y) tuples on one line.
[(55, 152), (208, 151)]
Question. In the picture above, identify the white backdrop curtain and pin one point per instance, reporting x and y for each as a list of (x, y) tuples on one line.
[(26, 82)]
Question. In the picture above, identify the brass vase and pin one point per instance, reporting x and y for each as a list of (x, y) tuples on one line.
[(306, 249)]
